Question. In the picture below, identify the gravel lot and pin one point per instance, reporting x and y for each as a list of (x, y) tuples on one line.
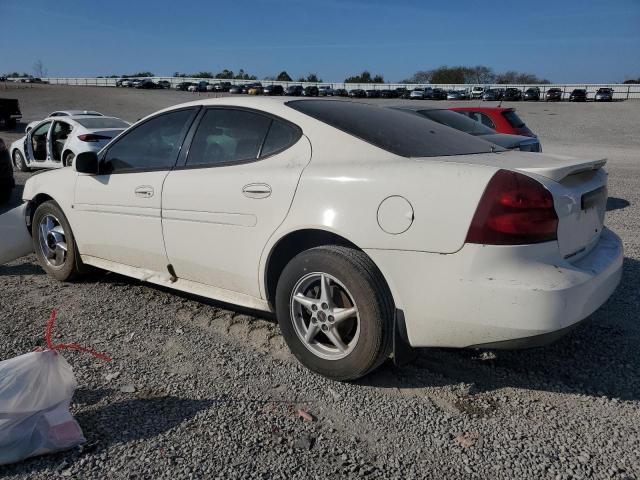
[(201, 390)]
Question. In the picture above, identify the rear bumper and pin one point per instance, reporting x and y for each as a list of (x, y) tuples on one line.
[(485, 295)]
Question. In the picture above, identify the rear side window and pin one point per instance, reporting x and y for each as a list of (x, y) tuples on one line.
[(152, 145), (403, 133), (481, 118), (514, 120), (457, 121), (227, 136), (280, 137)]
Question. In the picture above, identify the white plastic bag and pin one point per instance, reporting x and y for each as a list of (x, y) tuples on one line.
[(35, 393)]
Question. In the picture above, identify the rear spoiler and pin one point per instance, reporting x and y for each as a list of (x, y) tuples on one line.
[(573, 166)]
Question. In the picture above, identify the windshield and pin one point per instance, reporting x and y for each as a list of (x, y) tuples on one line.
[(106, 122), (458, 121), (397, 131)]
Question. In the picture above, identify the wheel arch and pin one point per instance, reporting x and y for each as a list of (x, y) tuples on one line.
[(65, 152), (13, 152), (33, 205), (297, 241)]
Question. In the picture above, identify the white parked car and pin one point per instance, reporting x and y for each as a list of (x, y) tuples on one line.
[(477, 92), (358, 225), (55, 141), (65, 113)]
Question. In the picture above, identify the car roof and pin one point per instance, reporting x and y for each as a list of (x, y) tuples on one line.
[(71, 113), (75, 118)]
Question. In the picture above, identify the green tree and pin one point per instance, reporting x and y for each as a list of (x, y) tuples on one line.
[(365, 77), (226, 74), (283, 76)]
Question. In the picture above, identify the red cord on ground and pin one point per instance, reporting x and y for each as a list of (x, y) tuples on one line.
[(68, 346)]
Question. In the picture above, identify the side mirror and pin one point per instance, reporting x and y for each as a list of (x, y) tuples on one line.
[(87, 162)]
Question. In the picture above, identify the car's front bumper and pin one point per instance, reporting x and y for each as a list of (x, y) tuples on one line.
[(490, 294)]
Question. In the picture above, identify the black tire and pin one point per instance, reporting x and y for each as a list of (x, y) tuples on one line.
[(68, 159), (73, 267), (19, 161), (363, 280)]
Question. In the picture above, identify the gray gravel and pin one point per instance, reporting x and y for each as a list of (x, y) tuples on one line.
[(199, 390)]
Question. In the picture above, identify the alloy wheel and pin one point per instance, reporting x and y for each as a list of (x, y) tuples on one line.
[(53, 242), (325, 316)]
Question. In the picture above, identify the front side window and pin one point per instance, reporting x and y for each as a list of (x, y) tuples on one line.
[(42, 129), (226, 135), (152, 145)]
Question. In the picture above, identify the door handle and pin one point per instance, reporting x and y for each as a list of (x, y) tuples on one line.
[(144, 191), (256, 190)]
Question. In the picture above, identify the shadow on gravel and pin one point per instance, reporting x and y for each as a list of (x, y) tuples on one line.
[(21, 269), (138, 419), (614, 203), (599, 358), (118, 280)]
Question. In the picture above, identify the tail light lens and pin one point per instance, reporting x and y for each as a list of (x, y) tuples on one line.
[(514, 210), (92, 137)]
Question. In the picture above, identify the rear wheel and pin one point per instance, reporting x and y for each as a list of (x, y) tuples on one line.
[(68, 159), (335, 312), (54, 243), (19, 162)]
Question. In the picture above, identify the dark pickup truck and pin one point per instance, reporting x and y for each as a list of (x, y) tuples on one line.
[(9, 112)]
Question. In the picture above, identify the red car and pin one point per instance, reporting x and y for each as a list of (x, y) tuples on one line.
[(502, 120)]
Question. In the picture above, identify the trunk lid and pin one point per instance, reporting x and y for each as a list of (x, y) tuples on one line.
[(554, 167), (578, 186)]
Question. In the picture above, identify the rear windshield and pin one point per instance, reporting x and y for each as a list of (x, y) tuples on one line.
[(400, 132), (102, 122), (514, 120), (458, 121)]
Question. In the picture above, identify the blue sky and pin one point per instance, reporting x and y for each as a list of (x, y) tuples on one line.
[(565, 41)]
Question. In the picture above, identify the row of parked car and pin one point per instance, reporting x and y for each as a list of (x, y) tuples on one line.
[(144, 83), (534, 94), (427, 93)]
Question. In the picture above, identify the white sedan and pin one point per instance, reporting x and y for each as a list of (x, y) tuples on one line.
[(55, 141), (363, 228), (64, 113)]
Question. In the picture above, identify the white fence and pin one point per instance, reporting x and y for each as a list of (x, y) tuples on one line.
[(621, 91)]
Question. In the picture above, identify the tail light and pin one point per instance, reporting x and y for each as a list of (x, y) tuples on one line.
[(514, 210), (92, 137)]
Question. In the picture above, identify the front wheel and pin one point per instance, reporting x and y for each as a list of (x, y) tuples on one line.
[(19, 162), (335, 312), (54, 243)]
